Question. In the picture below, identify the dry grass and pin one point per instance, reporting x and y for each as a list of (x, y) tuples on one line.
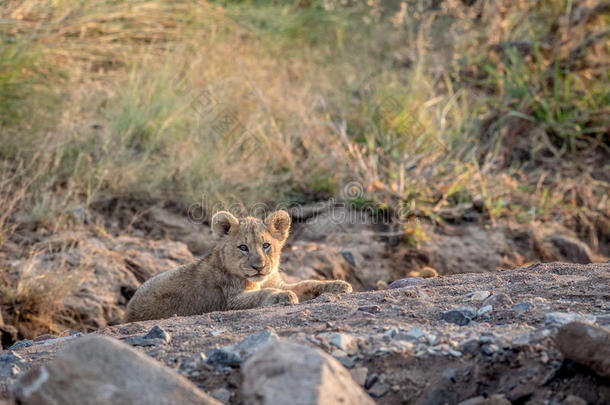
[(429, 108)]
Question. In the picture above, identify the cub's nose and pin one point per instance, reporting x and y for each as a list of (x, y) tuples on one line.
[(258, 268)]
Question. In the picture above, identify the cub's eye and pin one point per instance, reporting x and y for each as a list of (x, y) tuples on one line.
[(243, 248), (266, 246)]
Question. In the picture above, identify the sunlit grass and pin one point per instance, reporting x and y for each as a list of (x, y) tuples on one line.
[(274, 101)]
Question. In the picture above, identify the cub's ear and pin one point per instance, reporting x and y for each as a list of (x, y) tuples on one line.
[(222, 222), (278, 223)]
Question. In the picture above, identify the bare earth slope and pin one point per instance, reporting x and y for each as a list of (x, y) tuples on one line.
[(430, 341)]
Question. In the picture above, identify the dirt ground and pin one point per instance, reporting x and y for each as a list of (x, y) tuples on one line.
[(408, 348)]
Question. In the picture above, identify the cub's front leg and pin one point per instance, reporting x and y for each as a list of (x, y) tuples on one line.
[(262, 298), (310, 289)]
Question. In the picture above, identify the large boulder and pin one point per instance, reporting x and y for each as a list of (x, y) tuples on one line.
[(102, 370), (586, 344), (282, 373)]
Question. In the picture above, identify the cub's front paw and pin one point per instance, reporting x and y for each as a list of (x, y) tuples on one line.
[(281, 297), (337, 286)]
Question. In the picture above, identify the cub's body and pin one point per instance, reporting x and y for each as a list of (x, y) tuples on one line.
[(241, 272)]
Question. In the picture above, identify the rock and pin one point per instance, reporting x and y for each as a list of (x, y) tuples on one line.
[(521, 393), (349, 257), (489, 349), (522, 306), (460, 316), (484, 310), (497, 399), (586, 344), (603, 320), (562, 318), (297, 374), (441, 392), (471, 346), (569, 249), (223, 358), (359, 375), (478, 295), (378, 390), (499, 301), (371, 309), (222, 394), (21, 344), (412, 334), (574, 400), (97, 369), (345, 342), (157, 332), (346, 361), (156, 336), (9, 364), (234, 355), (371, 379), (405, 282)]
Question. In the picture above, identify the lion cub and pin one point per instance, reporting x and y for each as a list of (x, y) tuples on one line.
[(241, 272)]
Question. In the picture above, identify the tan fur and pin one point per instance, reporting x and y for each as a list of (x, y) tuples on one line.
[(229, 278)]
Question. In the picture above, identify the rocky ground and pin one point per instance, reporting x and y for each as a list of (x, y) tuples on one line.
[(82, 278), (532, 335)]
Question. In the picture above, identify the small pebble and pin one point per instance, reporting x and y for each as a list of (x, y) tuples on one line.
[(484, 310), (478, 295)]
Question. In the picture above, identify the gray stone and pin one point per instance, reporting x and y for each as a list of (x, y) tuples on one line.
[(522, 306), (390, 332), (10, 357), (563, 318), (9, 364), (222, 394), (156, 336), (603, 320), (459, 316), (21, 344), (586, 344), (349, 257), (379, 389), (574, 400), (371, 309), (284, 373), (101, 370), (478, 295), (157, 332), (415, 333), (499, 301), (443, 391), (471, 346), (489, 349), (223, 358), (484, 310), (405, 282), (234, 355), (370, 380), (345, 342)]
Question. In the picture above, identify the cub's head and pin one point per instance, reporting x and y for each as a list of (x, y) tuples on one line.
[(250, 248)]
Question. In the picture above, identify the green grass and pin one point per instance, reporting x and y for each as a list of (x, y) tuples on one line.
[(428, 109)]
